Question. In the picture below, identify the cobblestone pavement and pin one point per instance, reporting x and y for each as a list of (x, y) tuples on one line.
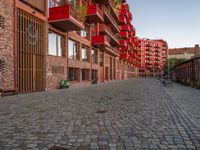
[(131, 114)]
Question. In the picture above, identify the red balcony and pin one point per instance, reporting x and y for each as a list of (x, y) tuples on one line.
[(130, 15), (105, 29), (124, 34), (125, 48), (66, 18), (124, 12), (94, 14), (125, 27), (128, 20), (100, 41), (124, 56), (125, 6), (122, 19), (123, 43)]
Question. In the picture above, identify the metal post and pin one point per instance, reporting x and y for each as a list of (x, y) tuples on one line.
[(168, 64), (196, 48)]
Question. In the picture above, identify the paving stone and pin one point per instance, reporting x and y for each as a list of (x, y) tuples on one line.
[(139, 114)]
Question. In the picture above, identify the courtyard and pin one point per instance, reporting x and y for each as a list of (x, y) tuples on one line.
[(118, 115)]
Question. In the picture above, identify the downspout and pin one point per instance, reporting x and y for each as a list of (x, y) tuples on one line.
[(14, 44)]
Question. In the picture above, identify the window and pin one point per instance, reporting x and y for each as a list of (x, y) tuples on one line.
[(55, 3), (94, 56), (101, 60), (85, 74), (55, 44), (86, 32), (94, 74), (73, 50), (73, 74), (85, 54)]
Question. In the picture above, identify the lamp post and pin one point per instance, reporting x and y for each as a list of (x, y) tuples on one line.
[(196, 48), (168, 69)]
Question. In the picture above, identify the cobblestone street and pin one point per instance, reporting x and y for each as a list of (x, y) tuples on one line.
[(122, 115)]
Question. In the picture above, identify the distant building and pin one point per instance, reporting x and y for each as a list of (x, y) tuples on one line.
[(152, 55), (188, 72), (186, 52)]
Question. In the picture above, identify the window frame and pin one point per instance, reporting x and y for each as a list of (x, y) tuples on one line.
[(59, 51), (74, 51)]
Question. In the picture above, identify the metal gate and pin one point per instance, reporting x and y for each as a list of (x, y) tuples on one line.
[(30, 53)]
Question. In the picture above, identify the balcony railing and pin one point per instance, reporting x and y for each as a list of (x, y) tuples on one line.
[(65, 17), (104, 28), (110, 17), (101, 40), (94, 14)]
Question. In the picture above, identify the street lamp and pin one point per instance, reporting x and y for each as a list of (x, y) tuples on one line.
[(196, 48), (168, 72)]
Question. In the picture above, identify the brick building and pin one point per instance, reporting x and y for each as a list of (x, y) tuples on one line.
[(188, 72), (152, 55), (44, 41), (186, 52)]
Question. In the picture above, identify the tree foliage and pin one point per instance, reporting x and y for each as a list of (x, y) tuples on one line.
[(173, 62)]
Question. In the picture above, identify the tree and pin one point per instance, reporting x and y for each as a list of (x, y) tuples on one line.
[(173, 62)]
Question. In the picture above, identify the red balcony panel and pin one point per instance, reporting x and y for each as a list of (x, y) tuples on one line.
[(130, 15), (124, 34), (125, 48), (122, 19), (124, 56), (124, 12), (65, 18), (128, 20), (123, 43), (106, 30), (125, 27), (94, 14), (100, 41), (125, 6)]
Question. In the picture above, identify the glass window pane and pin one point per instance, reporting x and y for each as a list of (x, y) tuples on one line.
[(59, 45), (52, 44), (70, 49), (84, 54)]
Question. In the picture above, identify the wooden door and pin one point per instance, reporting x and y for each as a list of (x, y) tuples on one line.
[(30, 53)]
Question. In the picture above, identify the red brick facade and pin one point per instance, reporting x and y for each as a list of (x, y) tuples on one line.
[(62, 42), (6, 44)]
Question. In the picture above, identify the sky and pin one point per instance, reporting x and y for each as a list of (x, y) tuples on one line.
[(176, 21)]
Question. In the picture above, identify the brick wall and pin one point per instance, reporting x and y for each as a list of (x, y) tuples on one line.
[(189, 50), (6, 44), (56, 70)]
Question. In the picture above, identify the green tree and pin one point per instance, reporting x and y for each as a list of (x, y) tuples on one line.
[(173, 62)]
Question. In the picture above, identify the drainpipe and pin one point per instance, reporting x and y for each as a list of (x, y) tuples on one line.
[(14, 44)]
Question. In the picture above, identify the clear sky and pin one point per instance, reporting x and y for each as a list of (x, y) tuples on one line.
[(176, 21)]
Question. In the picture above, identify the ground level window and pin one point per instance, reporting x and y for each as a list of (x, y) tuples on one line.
[(94, 75), (85, 74), (73, 74), (55, 44), (101, 61), (94, 56)]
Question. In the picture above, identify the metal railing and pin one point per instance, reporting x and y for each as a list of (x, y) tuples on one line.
[(108, 12)]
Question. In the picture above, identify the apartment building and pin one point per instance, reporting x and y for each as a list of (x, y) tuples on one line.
[(45, 41), (153, 56)]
